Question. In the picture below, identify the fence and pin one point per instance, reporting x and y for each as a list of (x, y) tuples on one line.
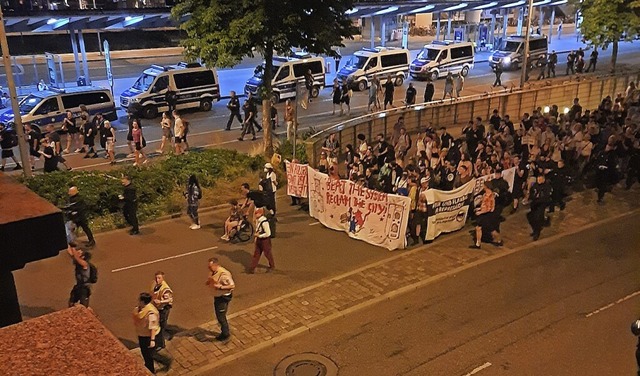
[(590, 90)]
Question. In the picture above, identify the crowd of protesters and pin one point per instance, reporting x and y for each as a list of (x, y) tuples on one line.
[(550, 149)]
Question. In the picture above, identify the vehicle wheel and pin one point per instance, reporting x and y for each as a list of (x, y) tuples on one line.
[(362, 85), (275, 98), (465, 71), (434, 75), (399, 81), (315, 91), (205, 105), (245, 232), (149, 112)]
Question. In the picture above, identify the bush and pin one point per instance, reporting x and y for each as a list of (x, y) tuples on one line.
[(159, 186), (285, 149)]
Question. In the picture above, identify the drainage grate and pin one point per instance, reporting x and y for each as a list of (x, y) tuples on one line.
[(306, 364)]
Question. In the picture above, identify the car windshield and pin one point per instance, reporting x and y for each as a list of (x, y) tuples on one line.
[(258, 72), (29, 103), (428, 54), (143, 82), (358, 62), (509, 46)]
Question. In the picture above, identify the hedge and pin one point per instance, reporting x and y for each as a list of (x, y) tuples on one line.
[(159, 186)]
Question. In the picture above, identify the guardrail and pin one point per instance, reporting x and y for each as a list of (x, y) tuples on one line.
[(591, 89)]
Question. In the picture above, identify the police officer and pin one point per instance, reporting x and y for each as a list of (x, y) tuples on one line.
[(81, 291), (558, 176), (429, 90), (542, 64), (540, 198), (551, 65), (605, 164), (497, 69), (162, 296), (145, 320), (221, 283), (77, 213), (130, 209), (234, 108), (593, 60), (571, 58)]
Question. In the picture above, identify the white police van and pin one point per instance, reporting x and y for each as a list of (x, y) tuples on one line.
[(441, 57), (511, 51), (194, 86), (50, 105), (286, 72), (370, 62)]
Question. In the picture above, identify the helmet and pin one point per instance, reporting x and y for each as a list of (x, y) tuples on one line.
[(635, 328)]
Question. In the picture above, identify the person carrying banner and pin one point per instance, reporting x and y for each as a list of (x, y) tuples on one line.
[(487, 218)]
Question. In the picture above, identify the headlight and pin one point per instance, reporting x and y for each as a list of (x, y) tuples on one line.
[(134, 100), (506, 60)]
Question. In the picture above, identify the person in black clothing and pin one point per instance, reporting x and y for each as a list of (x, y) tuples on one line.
[(90, 132), (383, 150), (551, 66), (171, 97), (308, 84), (388, 92), (130, 208), (429, 90), (273, 116), (575, 113), (540, 196), (249, 121), (410, 97), (33, 139), (497, 69), (571, 58), (81, 291), (78, 214), (234, 109), (633, 167), (8, 140), (98, 127), (593, 60), (558, 176), (446, 140), (542, 64), (50, 159), (130, 119), (495, 120), (259, 199), (605, 165)]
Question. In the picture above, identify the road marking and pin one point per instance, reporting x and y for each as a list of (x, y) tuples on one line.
[(164, 259), (478, 369), (314, 223), (612, 304)]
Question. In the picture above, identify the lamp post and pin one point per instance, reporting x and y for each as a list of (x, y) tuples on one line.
[(525, 58), (17, 119)]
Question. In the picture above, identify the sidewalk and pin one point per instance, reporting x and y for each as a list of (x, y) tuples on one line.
[(267, 324)]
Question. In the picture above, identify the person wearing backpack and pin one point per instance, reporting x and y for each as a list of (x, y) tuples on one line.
[(8, 140), (85, 272), (193, 195), (262, 242)]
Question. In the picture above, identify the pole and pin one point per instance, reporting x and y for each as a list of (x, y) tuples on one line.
[(17, 119), (525, 57), (552, 22)]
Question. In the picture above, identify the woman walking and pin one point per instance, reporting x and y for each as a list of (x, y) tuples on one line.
[(165, 123), (69, 126), (139, 142), (346, 97), (111, 142), (487, 219), (337, 96), (193, 194)]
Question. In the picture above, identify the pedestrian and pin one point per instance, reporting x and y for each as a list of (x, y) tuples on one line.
[(289, 120), (33, 136), (332, 147), (429, 91), (346, 97), (130, 208), (50, 159), (110, 142), (593, 60), (459, 84), (273, 116), (448, 86), (580, 64), (336, 94), (605, 163), (98, 125), (558, 176), (337, 57), (78, 214), (54, 138), (542, 65), (497, 70), (551, 65), (221, 283), (185, 131), (81, 123), (81, 291), (130, 118), (249, 120), (560, 30), (70, 128), (146, 320), (271, 180), (388, 92), (165, 125), (193, 195), (234, 110), (162, 296), (171, 97), (410, 95), (571, 58), (178, 132), (540, 196), (90, 132), (308, 83), (140, 143), (262, 242), (487, 218), (373, 95)]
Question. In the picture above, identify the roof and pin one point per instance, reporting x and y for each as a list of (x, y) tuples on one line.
[(68, 342), (67, 90)]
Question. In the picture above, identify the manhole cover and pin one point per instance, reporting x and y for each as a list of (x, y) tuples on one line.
[(306, 364)]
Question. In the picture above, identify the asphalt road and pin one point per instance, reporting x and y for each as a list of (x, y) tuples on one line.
[(561, 309)]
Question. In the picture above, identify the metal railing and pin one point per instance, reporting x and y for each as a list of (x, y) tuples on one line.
[(590, 89)]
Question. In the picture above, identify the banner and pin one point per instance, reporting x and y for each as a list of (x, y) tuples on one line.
[(448, 209), (297, 179), (377, 218), (508, 175)]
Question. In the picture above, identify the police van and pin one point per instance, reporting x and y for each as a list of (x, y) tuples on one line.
[(50, 105), (370, 62), (511, 51), (441, 57), (286, 72), (190, 85)]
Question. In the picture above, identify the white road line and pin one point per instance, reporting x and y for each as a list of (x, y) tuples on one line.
[(478, 369), (164, 259), (612, 304), (314, 223)]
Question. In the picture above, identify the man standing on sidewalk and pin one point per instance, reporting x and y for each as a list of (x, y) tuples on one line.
[(540, 198), (221, 284), (571, 59), (593, 60), (130, 209), (551, 66), (249, 120), (234, 108), (163, 301), (262, 242), (145, 320)]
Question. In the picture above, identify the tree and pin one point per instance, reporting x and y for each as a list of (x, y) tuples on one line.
[(222, 32), (609, 21)]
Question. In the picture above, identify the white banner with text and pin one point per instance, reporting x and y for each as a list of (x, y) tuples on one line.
[(448, 209), (297, 179)]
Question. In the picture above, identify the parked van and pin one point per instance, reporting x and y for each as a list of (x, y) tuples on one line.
[(379, 61), (49, 106), (286, 72), (441, 57), (511, 51), (194, 86)]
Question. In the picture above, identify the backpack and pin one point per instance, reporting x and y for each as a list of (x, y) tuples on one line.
[(13, 139), (271, 227), (93, 273)]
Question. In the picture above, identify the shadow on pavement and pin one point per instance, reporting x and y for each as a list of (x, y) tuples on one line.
[(32, 312), (238, 256)]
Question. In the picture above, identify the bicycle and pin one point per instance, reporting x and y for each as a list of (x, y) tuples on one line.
[(243, 232)]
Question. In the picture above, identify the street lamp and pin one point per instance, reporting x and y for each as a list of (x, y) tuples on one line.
[(525, 59), (17, 118)]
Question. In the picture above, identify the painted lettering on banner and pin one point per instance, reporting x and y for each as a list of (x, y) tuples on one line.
[(447, 210), (297, 179)]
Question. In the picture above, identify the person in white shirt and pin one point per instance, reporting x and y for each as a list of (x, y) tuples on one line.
[(222, 285), (262, 242), (178, 132), (146, 322)]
